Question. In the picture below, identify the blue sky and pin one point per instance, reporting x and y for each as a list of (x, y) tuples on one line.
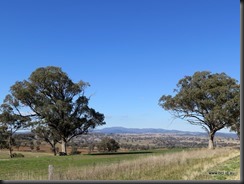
[(131, 51)]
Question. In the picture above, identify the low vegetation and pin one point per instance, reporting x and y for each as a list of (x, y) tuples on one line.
[(228, 170), (171, 164), (177, 166)]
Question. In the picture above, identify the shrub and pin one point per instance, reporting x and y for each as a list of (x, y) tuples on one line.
[(74, 151), (108, 145), (16, 155), (62, 154)]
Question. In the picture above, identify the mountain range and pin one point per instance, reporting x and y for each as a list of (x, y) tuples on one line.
[(123, 130)]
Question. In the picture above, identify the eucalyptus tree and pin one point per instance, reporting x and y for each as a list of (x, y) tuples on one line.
[(47, 134), (3, 137), (211, 101), (56, 100), (10, 123), (236, 127)]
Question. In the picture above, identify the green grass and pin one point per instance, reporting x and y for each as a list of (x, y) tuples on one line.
[(5, 154), (167, 164), (37, 163), (176, 166), (227, 170)]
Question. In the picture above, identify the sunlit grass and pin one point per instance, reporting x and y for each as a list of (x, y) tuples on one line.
[(173, 164), (227, 170), (35, 165)]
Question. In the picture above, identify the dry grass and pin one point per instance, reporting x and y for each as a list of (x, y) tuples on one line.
[(186, 165), (27, 176), (4, 154)]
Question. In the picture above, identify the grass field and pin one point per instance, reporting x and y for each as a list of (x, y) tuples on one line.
[(228, 170), (172, 164)]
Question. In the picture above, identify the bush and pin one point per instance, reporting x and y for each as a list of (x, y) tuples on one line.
[(17, 155), (108, 145), (62, 154), (74, 151)]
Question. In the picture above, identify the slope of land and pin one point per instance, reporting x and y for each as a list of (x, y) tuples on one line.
[(171, 164)]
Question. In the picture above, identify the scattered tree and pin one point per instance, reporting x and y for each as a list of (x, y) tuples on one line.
[(205, 99), (10, 122), (52, 96), (108, 145), (74, 149), (91, 147), (48, 135), (32, 145)]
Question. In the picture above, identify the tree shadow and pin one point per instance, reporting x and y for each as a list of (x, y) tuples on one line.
[(121, 153)]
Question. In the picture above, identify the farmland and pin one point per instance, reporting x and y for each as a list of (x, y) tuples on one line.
[(166, 164), (169, 164), (37, 163), (140, 157), (127, 141)]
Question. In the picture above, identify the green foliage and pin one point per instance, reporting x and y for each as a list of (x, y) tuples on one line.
[(3, 137), (235, 127), (49, 135), (10, 122), (58, 102), (209, 100), (108, 145)]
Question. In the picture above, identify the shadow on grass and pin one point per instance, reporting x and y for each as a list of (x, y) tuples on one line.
[(121, 153)]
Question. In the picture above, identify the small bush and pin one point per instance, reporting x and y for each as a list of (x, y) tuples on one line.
[(74, 151), (108, 145), (17, 155), (62, 154)]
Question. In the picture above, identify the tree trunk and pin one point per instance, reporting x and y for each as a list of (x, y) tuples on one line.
[(211, 140), (10, 146), (63, 146), (53, 144), (35, 143), (54, 150)]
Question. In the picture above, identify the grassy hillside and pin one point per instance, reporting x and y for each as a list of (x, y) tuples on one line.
[(227, 170), (172, 164)]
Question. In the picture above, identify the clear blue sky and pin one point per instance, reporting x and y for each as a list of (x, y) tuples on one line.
[(131, 51)]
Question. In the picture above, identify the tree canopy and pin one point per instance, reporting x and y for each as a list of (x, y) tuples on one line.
[(108, 145), (47, 134), (10, 122), (54, 99), (211, 101)]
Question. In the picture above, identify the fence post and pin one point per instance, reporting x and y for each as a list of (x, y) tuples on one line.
[(50, 172)]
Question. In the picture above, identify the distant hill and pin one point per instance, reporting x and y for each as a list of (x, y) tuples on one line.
[(122, 130)]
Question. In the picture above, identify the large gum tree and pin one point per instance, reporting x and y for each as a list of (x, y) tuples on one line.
[(53, 98), (211, 101)]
